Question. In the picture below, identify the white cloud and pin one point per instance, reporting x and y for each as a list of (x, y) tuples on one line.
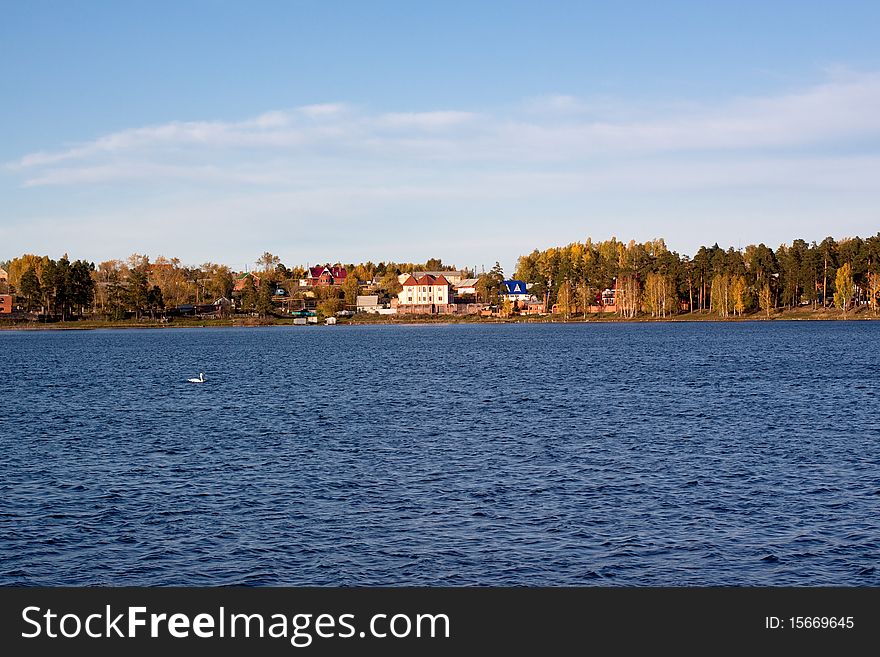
[(558, 156), (424, 120), (323, 110), (553, 130)]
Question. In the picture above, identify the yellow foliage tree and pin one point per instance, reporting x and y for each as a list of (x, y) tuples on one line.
[(844, 287)]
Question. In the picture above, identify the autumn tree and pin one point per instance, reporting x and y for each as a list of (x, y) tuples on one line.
[(139, 261), (565, 300), (874, 290), (328, 306), (765, 298), (351, 289), (108, 286), (739, 295), (721, 301), (628, 298), (219, 280), (844, 287), (586, 296), (389, 283), (660, 298), (179, 285), (267, 262)]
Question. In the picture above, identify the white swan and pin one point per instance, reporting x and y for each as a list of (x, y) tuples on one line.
[(201, 378)]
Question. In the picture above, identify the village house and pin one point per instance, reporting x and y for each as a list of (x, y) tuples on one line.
[(224, 306), (4, 277), (241, 281), (606, 301), (5, 304), (370, 304), (427, 295), (367, 303), (515, 291), (524, 302), (467, 287), (324, 275)]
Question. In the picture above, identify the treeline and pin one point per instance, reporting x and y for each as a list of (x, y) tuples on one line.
[(136, 285), (60, 287), (648, 277), (642, 277)]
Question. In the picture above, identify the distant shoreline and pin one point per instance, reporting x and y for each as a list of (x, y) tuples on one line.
[(391, 320)]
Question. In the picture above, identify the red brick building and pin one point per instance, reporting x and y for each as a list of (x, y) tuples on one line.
[(5, 304), (241, 281), (325, 275)]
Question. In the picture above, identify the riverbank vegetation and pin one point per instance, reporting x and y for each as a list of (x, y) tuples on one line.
[(651, 279), (646, 280)]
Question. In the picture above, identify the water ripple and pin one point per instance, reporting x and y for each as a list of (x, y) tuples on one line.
[(657, 454)]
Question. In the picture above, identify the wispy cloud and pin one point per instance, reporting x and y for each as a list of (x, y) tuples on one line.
[(560, 129), (425, 120), (342, 162)]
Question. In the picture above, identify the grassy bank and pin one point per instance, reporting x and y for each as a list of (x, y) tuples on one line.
[(794, 314)]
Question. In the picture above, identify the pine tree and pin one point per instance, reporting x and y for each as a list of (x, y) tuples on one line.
[(29, 288), (264, 298)]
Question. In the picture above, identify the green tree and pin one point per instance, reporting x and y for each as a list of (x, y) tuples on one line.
[(155, 302), (50, 281), (264, 298), (249, 295), (29, 288), (828, 253), (702, 272), (844, 287), (137, 292), (488, 285), (82, 285)]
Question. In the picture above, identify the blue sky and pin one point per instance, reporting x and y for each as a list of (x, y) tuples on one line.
[(469, 131)]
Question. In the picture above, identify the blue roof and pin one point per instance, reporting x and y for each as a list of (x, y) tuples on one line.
[(515, 287)]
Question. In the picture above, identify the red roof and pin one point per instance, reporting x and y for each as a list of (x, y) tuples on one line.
[(335, 272), (427, 279)]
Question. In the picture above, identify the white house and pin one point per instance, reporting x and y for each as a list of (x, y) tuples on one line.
[(425, 291), (466, 287), (368, 303)]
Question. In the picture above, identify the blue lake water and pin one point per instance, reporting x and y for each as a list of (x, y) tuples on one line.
[(593, 454)]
